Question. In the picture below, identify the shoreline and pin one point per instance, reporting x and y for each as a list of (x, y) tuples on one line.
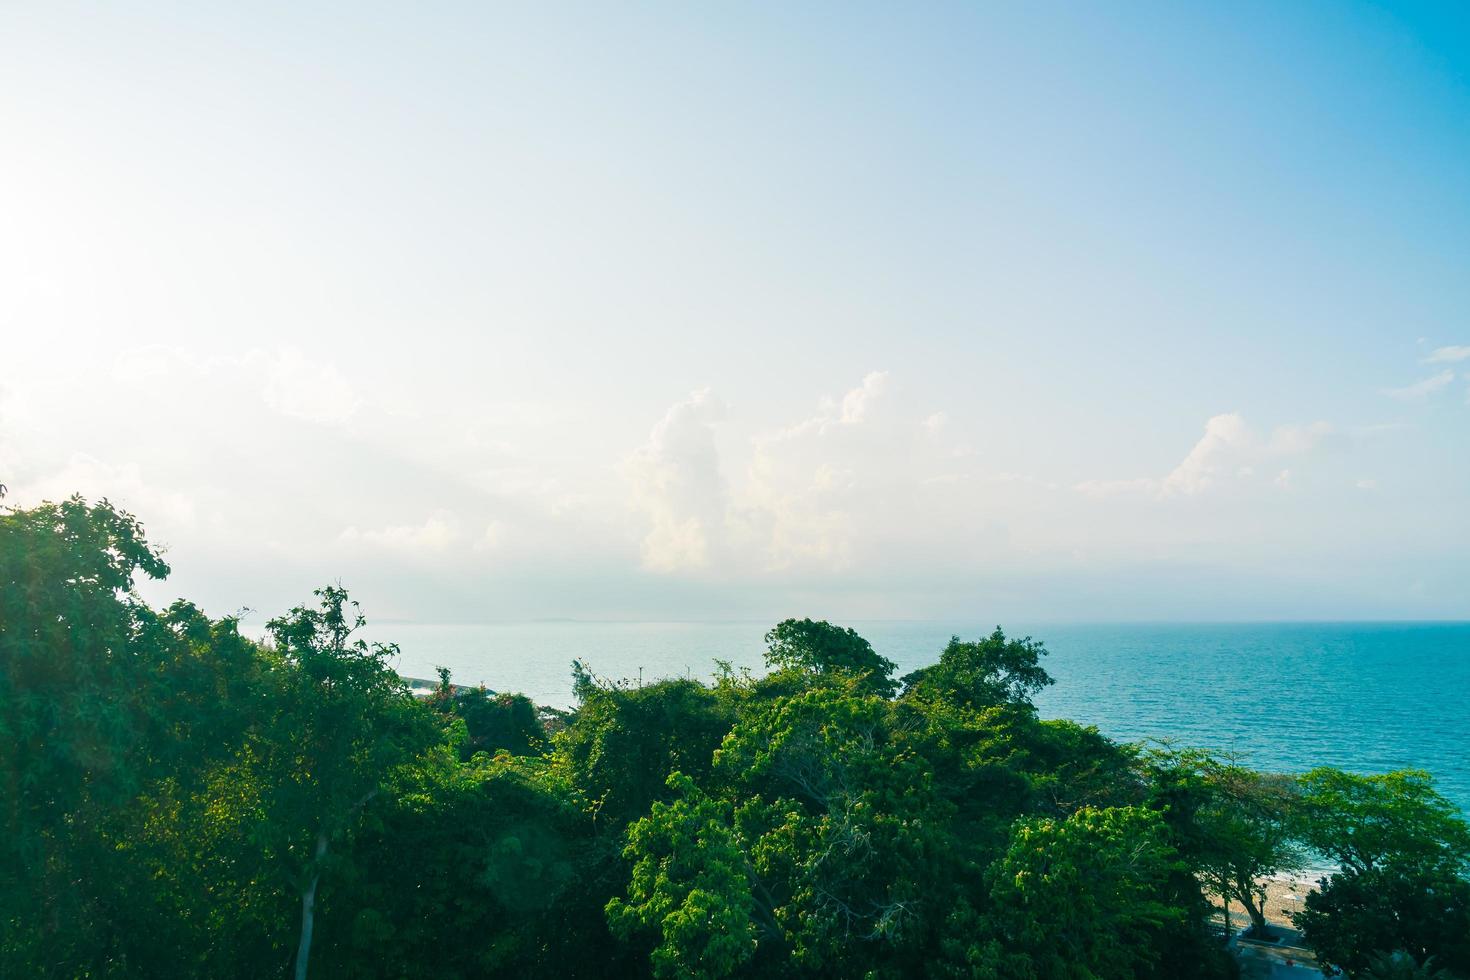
[(1285, 894)]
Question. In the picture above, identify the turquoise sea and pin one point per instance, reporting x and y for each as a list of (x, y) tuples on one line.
[(1288, 696)]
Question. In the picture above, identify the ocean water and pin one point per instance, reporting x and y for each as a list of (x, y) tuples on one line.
[(1367, 697)]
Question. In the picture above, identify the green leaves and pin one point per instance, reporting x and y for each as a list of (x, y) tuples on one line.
[(1397, 818), (850, 844), (1246, 830), (626, 741), (984, 673), (1080, 897), (1405, 856), (821, 648), (486, 868), (689, 889), (173, 794), (1363, 915), (84, 683)]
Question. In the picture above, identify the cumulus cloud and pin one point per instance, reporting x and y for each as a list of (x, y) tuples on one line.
[(1448, 355), (820, 490), (866, 476), (1224, 444), (678, 487), (1229, 451), (1291, 440), (1422, 389), (1117, 488), (866, 488), (302, 389), (1022, 480), (493, 537), (1229, 446), (167, 509), (857, 402), (288, 382), (243, 460), (14, 416), (435, 535)]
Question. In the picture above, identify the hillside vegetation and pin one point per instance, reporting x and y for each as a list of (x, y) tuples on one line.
[(179, 800)]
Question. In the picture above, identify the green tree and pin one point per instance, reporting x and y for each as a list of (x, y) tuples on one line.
[(489, 868), (689, 891), (1396, 818), (210, 893), (1360, 916), (1247, 821), (983, 673), (624, 742), (180, 800), (1176, 789), (185, 863), (818, 647), (120, 739), (850, 847), (80, 660), (344, 724), (1071, 766), (1402, 966), (493, 722), (1404, 852), (1078, 898)]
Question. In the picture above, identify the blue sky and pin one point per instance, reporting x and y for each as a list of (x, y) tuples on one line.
[(674, 311)]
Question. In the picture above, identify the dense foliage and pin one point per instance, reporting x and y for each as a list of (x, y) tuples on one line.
[(179, 800)]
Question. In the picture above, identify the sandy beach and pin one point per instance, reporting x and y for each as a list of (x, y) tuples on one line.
[(1284, 896)]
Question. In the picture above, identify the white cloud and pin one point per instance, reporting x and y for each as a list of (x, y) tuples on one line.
[(493, 537), (855, 403), (167, 510), (678, 487), (14, 418), (1117, 488), (434, 536), (150, 363), (1021, 479), (1230, 447), (864, 478), (1292, 440), (1364, 483), (190, 442), (289, 382), (1448, 355), (305, 390), (1226, 438), (808, 484), (1229, 451), (863, 494), (873, 483), (1422, 389)]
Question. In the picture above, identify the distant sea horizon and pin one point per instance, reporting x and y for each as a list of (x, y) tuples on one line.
[(1285, 695)]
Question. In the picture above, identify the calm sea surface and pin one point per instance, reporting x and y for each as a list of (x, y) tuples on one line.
[(1363, 696)]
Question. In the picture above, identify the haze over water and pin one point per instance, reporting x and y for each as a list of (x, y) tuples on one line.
[(1288, 696)]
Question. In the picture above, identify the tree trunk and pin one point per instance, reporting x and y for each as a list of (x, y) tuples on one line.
[(1249, 895), (308, 907), (1221, 884)]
